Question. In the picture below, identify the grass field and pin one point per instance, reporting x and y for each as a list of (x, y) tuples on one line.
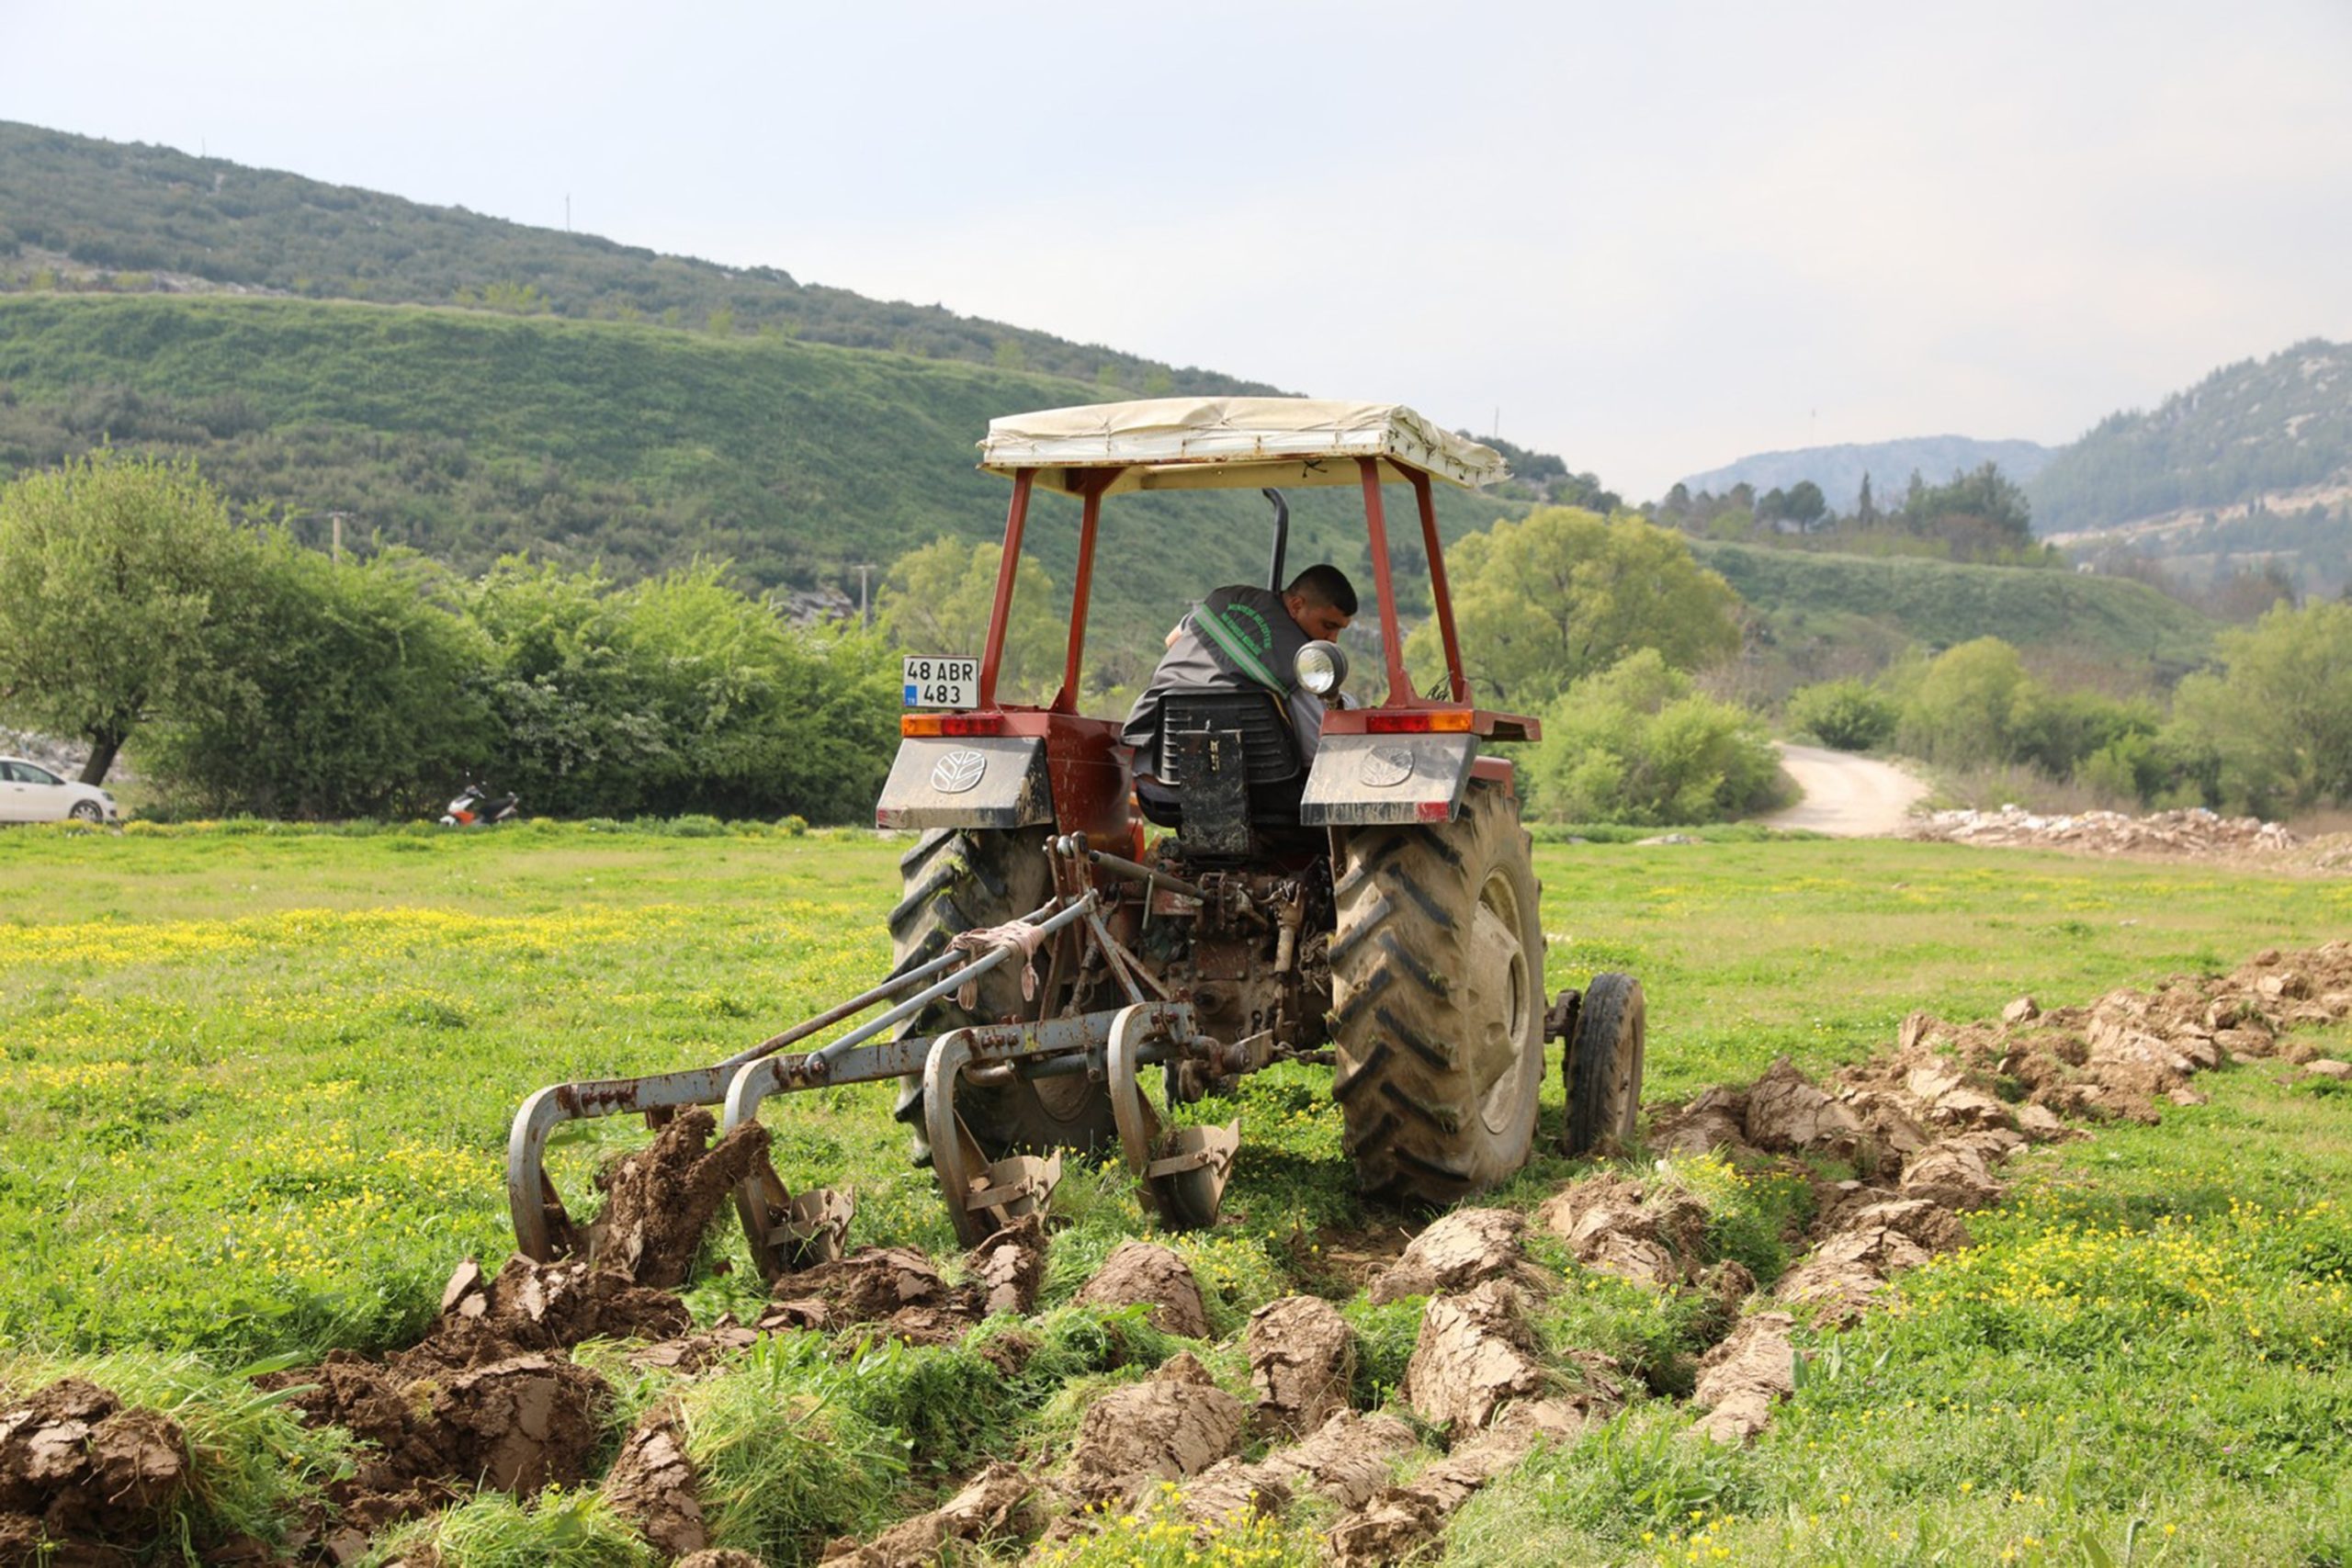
[(262, 1083)]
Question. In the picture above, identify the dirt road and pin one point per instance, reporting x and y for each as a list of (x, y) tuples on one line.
[(1846, 796)]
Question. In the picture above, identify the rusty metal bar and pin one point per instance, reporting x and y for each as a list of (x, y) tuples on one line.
[(526, 1199), (1127, 867), (1458, 679), (1015, 518), (1392, 639), (1089, 521)]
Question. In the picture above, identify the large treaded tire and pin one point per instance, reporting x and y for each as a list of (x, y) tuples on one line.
[(1437, 986), (954, 879)]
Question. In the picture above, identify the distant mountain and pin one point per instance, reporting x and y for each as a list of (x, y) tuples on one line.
[(1838, 470), (132, 218), (2255, 430)]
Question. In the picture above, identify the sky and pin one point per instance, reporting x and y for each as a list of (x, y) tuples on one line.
[(1649, 238)]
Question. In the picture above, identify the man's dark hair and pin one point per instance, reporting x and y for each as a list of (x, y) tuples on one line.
[(1326, 585)]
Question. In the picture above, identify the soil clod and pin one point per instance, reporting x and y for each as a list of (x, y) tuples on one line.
[(1145, 1272), (652, 1485), (1474, 1355), (660, 1200), (1001, 1503), (1302, 1356), (1455, 1252), (1740, 1379), (1175, 1424), (79, 1469)]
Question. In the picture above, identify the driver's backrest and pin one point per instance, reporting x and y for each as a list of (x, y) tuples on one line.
[(1269, 745)]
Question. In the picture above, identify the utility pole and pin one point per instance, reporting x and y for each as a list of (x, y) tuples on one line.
[(865, 617), (336, 548), (567, 212)]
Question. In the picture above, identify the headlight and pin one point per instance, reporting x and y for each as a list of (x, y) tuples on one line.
[(1320, 668)]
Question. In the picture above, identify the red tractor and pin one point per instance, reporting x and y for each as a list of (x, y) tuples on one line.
[(1371, 905)]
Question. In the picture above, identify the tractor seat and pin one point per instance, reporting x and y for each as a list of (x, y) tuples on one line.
[(1272, 774)]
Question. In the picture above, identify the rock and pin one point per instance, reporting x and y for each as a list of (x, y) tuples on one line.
[(1456, 1251), (1144, 1271), (1301, 1358), (2329, 1068), (2024, 1010), (1740, 1379), (1476, 1354), (1176, 1423)]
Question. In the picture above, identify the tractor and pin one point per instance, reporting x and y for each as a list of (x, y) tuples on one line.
[(1068, 981)]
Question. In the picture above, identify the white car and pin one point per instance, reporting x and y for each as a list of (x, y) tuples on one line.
[(30, 793)]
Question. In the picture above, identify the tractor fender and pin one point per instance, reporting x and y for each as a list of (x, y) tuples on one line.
[(990, 782), (1362, 780)]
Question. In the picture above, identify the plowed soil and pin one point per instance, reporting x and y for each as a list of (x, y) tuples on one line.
[(491, 1396)]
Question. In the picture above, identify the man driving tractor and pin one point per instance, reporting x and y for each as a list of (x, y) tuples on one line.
[(1240, 639)]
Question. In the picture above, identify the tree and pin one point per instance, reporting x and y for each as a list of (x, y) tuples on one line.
[(936, 599), (1563, 593), (1965, 707), (113, 571), (1638, 743), (2279, 714), (342, 691), (1866, 508)]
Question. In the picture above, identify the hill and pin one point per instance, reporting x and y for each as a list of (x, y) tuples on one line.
[(469, 435), (1838, 470), (132, 217), (1845, 601), (2256, 429)]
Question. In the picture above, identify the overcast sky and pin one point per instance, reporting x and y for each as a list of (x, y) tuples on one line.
[(1655, 237)]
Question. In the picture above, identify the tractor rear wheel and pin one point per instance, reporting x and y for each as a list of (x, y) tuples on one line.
[(1436, 985), (955, 879)]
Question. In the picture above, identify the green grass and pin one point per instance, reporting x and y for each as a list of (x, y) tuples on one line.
[(263, 1082)]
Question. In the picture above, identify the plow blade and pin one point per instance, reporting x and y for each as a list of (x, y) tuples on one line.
[(1181, 1171)]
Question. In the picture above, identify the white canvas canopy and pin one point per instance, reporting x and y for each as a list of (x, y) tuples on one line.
[(1241, 443)]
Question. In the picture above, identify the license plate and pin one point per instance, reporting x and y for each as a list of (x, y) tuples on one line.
[(942, 683)]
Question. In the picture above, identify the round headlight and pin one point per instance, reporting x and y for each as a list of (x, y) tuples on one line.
[(1320, 668)]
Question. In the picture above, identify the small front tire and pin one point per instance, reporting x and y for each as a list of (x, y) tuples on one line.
[(87, 811), (1602, 1069)]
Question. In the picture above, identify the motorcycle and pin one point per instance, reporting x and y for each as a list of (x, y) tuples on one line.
[(477, 807)]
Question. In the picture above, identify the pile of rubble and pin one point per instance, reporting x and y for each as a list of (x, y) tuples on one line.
[(2195, 833)]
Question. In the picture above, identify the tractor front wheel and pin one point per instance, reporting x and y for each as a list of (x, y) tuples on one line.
[(957, 879), (1437, 985)]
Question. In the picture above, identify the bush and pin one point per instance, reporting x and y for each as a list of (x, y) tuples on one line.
[(1851, 715), (1965, 707), (1638, 744)]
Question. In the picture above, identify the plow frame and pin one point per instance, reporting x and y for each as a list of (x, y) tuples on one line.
[(1182, 1170)]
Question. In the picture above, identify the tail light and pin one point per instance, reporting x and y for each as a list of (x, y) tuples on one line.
[(950, 724), (1418, 721)]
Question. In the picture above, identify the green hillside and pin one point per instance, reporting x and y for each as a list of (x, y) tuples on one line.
[(1938, 603), (467, 436), (2249, 428), (141, 217)]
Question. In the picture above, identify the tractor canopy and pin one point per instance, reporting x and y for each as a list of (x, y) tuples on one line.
[(1231, 443)]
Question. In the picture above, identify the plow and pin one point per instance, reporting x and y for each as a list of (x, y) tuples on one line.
[(1340, 884)]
